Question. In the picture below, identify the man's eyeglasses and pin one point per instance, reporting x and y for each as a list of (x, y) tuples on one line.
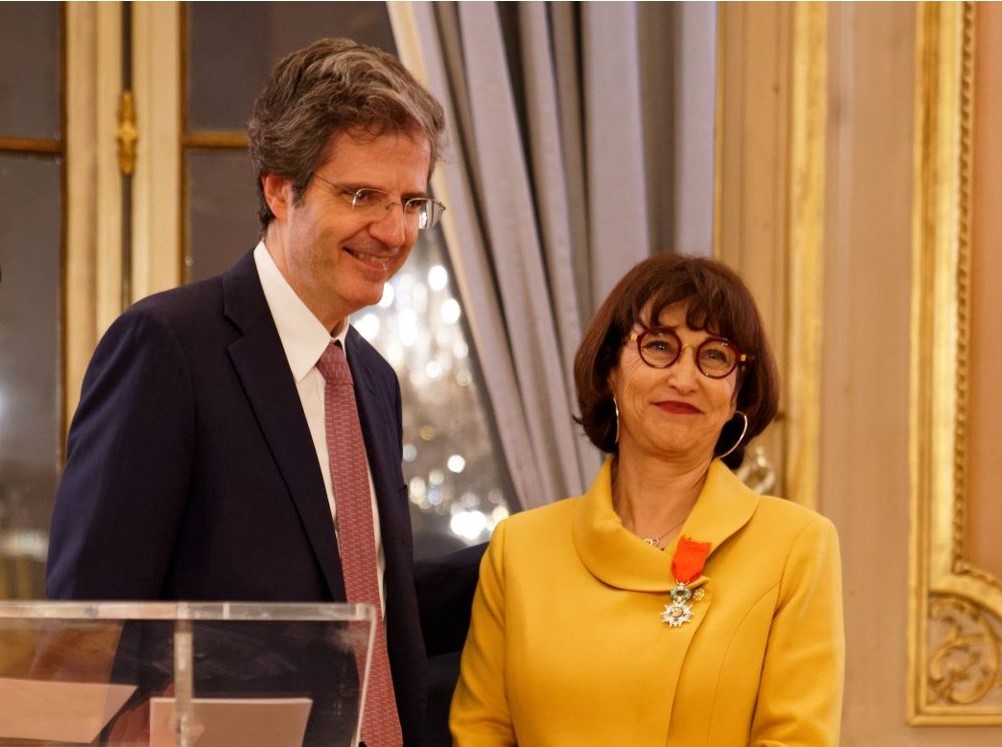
[(419, 212), (660, 347)]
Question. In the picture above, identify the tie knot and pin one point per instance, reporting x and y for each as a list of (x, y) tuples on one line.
[(333, 365)]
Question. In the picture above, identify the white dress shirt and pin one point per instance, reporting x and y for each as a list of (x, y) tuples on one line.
[(304, 339)]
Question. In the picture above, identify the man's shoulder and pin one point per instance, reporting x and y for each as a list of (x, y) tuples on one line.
[(183, 302), (193, 306), (187, 315)]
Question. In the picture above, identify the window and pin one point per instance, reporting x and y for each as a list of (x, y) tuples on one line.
[(452, 461)]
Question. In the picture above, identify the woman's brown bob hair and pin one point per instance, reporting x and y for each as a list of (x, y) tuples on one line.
[(718, 302)]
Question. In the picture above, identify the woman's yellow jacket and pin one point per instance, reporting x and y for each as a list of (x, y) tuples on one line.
[(567, 647)]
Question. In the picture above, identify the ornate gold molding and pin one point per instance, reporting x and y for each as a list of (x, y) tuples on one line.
[(956, 608), (769, 204), (808, 136), (965, 663)]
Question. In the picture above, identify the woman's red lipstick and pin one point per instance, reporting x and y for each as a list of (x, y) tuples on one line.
[(679, 408)]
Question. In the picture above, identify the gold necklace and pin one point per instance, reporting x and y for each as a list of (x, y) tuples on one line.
[(656, 541)]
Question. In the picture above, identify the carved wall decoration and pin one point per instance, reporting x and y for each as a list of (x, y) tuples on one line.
[(965, 668), (955, 656)]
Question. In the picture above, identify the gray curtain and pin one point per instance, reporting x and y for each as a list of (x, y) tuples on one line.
[(548, 200)]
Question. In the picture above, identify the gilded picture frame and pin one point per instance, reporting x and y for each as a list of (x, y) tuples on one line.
[(955, 636)]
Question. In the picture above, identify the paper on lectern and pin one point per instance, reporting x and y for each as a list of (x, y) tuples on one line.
[(235, 722), (69, 712)]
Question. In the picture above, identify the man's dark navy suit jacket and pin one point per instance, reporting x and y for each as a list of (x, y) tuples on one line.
[(191, 475)]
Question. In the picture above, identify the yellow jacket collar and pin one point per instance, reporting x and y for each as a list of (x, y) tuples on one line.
[(621, 559)]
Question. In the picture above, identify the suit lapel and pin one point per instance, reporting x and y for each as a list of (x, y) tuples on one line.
[(622, 560), (381, 432), (725, 505), (261, 365)]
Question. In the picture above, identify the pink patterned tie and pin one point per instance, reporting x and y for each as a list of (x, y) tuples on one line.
[(356, 537)]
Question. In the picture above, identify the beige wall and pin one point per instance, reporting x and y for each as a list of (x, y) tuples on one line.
[(863, 443), (864, 427)]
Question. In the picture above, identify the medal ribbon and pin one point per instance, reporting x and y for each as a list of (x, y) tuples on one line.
[(690, 557)]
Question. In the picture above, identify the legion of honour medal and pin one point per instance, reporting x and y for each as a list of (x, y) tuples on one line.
[(686, 567)]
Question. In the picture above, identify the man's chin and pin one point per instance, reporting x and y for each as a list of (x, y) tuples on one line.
[(364, 299)]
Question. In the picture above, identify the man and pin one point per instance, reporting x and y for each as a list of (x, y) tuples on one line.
[(208, 459)]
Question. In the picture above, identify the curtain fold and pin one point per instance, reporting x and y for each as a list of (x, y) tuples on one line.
[(617, 194), (545, 183)]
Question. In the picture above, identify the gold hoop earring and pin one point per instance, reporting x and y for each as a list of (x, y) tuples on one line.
[(615, 406), (741, 438)]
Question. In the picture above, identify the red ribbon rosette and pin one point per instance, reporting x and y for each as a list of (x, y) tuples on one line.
[(690, 557)]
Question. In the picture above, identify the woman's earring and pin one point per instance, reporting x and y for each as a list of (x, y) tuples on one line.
[(615, 406), (741, 438)]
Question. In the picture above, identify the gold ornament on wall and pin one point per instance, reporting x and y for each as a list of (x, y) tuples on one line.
[(966, 665), (127, 135), (955, 629), (757, 472)]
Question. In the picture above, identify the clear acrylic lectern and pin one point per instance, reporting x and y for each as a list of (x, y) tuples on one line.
[(178, 674)]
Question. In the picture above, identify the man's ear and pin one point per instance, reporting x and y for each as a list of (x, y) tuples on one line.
[(278, 195)]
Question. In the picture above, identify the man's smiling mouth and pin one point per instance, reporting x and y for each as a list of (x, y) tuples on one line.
[(372, 259)]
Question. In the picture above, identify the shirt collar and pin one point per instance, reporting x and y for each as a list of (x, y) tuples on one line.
[(303, 336)]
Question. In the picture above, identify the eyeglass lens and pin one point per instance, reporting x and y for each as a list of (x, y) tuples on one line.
[(660, 348), (424, 211)]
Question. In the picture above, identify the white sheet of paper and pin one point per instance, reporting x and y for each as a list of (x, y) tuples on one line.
[(73, 712), (235, 722)]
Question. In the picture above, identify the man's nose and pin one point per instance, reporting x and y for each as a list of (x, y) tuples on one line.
[(391, 228)]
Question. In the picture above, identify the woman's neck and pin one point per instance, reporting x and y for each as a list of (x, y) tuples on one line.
[(653, 496)]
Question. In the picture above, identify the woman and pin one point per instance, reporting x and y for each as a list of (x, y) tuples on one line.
[(670, 604)]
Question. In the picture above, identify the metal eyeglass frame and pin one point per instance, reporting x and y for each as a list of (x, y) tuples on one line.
[(352, 194)]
